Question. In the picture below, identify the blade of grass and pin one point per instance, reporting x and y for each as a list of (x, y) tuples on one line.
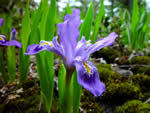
[(134, 23), (61, 86), (45, 59), (77, 91), (86, 25), (24, 60), (98, 21)]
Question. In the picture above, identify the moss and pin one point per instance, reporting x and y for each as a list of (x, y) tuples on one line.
[(143, 81), (26, 104), (107, 75), (108, 66), (140, 60), (117, 94), (134, 106), (92, 107), (141, 70), (108, 54)]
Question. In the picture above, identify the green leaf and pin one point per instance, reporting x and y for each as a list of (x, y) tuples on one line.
[(98, 21), (86, 26), (25, 32), (11, 63), (2, 69), (24, 60), (50, 22), (44, 9), (61, 85), (77, 91), (134, 23), (68, 9), (44, 59)]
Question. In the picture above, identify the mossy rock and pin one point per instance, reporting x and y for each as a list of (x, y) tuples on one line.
[(107, 75), (143, 60), (89, 104), (108, 66), (92, 107), (143, 81), (141, 70), (117, 94), (134, 106), (29, 103), (107, 53)]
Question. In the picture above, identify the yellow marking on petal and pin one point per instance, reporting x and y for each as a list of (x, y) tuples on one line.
[(87, 68), (44, 43), (1, 38), (88, 42), (47, 43), (51, 44)]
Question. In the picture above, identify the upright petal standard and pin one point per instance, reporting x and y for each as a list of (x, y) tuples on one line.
[(76, 53), (13, 42)]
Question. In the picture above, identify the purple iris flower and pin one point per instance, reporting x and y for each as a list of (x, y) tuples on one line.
[(1, 21), (13, 42), (76, 53)]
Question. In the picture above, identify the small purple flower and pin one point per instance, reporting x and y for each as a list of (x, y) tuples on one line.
[(1, 22), (76, 53), (13, 42)]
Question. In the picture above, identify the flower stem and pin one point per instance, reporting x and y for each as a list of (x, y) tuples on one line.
[(67, 102)]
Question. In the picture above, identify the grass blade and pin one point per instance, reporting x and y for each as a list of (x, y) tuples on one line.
[(24, 60), (61, 85), (77, 91), (98, 21), (86, 25)]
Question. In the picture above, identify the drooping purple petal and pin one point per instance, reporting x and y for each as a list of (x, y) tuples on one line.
[(45, 45), (13, 34), (88, 78), (109, 40), (69, 33), (34, 49), (1, 22), (4, 42)]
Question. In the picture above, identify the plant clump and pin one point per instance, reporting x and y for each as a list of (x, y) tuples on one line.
[(89, 104), (142, 65), (134, 106), (107, 75), (117, 94), (143, 81), (141, 60)]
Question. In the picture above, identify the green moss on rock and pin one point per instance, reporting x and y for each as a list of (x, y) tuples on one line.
[(107, 75), (92, 107), (143, 81), (140, 60), (26, 104), (117, 94), (107, 66), (134, 106), (141, 70), (107, 53)]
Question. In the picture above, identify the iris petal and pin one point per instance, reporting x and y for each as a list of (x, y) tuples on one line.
[(69, 33), (88, 78), (109, 40), (4, 42), (45, 45), (34, 49), (1, 22)]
